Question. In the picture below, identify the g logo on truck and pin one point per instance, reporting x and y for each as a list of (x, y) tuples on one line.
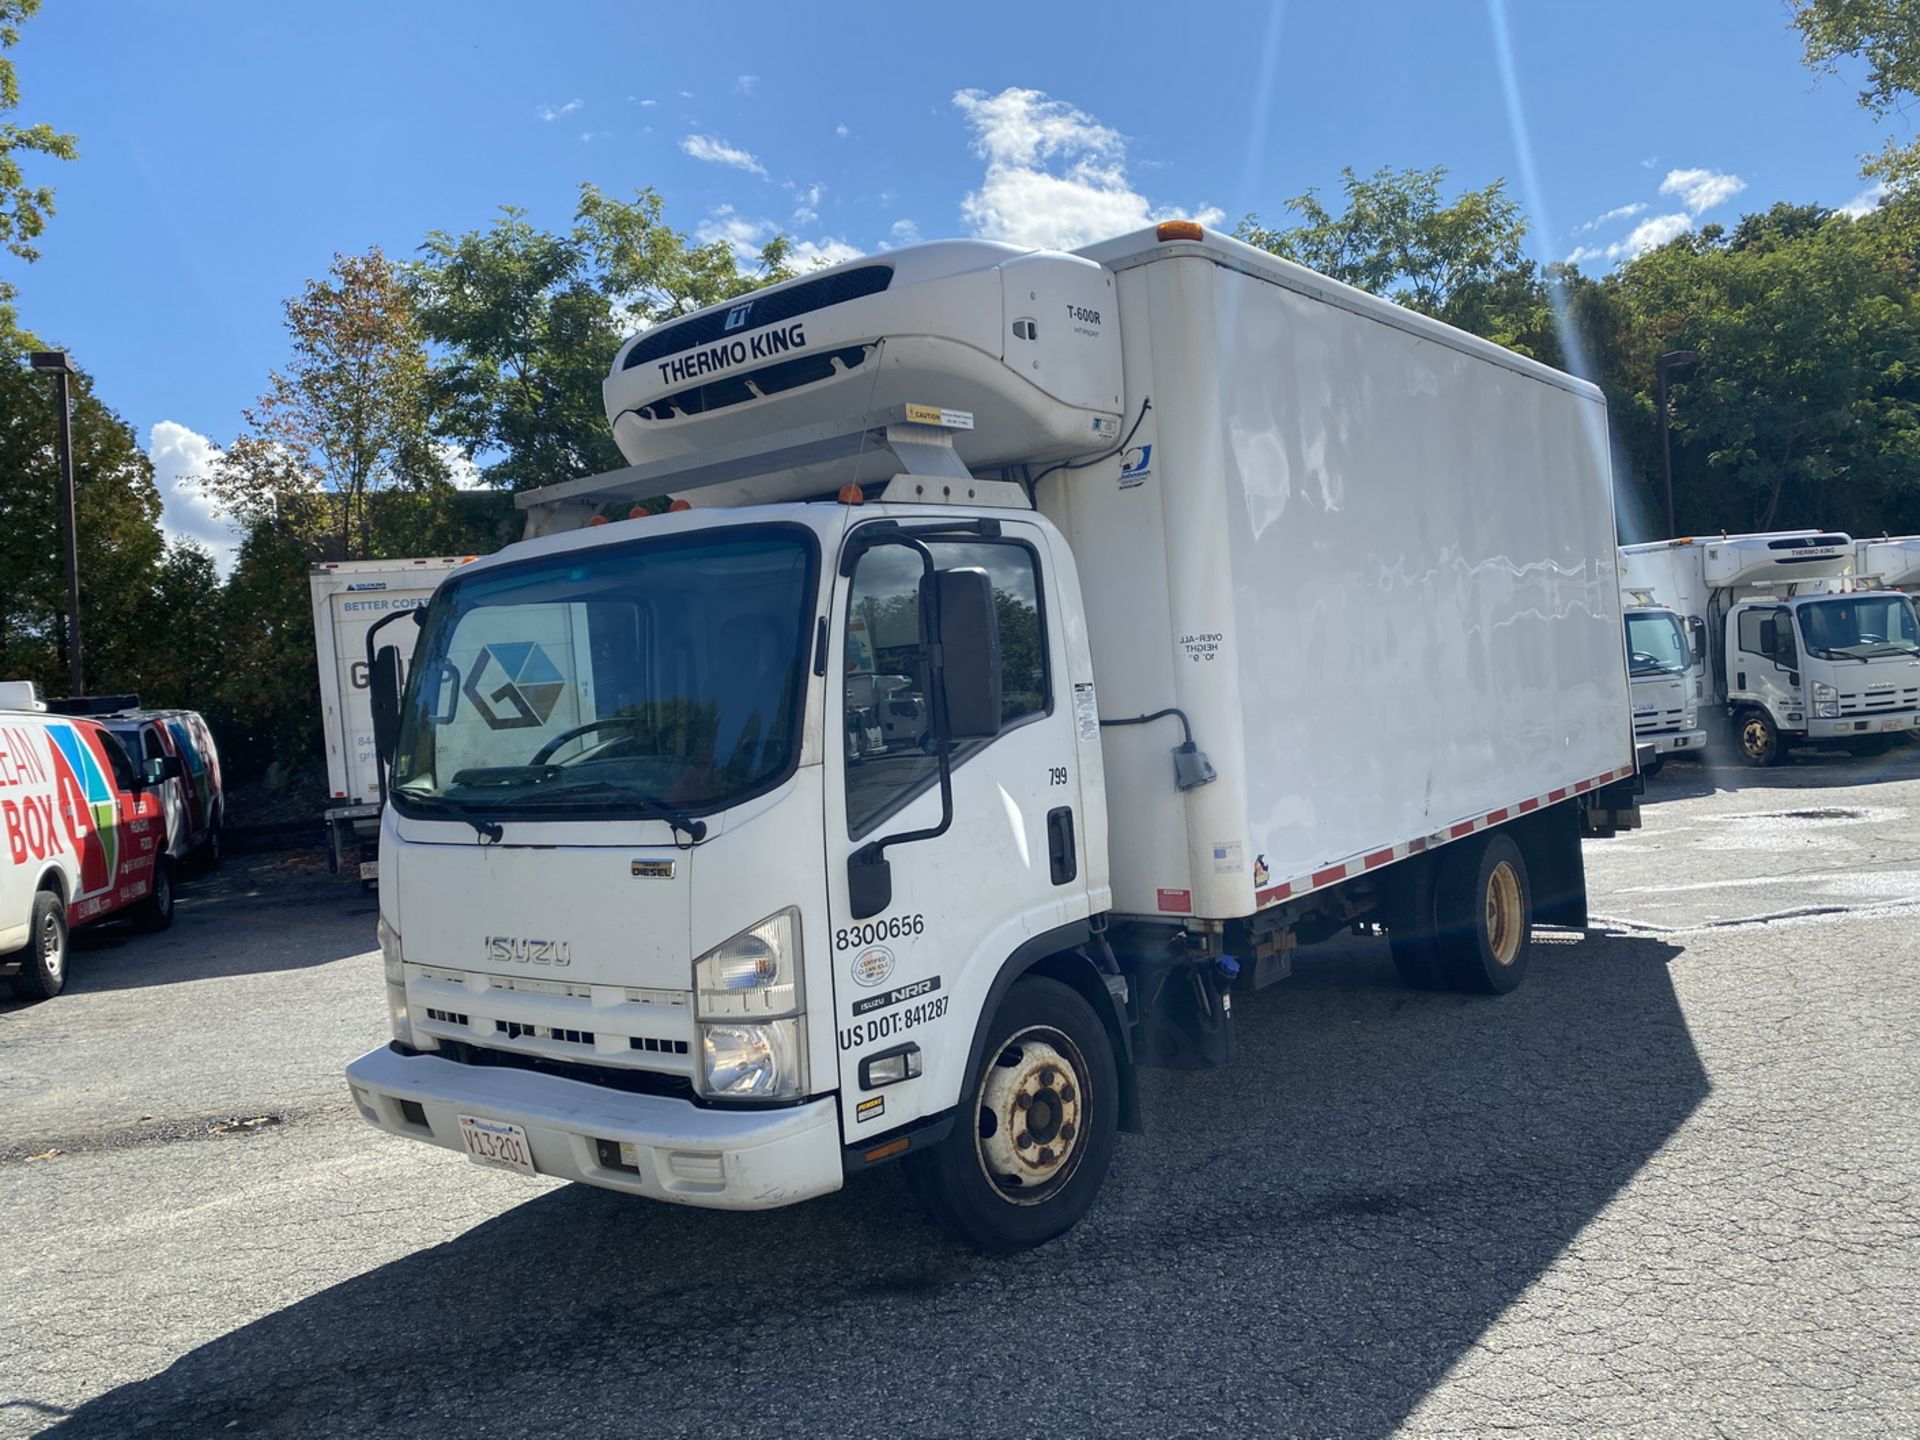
[(513, 950)]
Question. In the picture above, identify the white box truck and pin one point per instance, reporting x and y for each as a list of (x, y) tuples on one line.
[(349, 596), (1890, 563), (1236, 608), (1666, 665), (1796, 653)]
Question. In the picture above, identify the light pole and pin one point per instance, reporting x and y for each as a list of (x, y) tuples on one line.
[(56, 364), (1660, 368)]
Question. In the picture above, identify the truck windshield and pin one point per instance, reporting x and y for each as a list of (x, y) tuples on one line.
[(1656, 645), (663, 677), (1860, 627)]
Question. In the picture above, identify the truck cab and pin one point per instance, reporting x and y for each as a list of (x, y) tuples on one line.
[(1666, 665)]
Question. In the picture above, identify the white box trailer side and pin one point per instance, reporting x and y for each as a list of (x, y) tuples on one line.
[(349, 597), (1370, 558)]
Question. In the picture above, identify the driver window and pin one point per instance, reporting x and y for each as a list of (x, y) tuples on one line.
[(1754, 630), (885, 714)]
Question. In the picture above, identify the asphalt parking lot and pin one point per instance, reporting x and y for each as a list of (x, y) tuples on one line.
[(1671, 1187)]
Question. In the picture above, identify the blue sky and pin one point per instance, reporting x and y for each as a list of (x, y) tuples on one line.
[(227, 150)]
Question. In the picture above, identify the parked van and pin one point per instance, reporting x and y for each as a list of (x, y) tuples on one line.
[(85, 838), (190, 791)]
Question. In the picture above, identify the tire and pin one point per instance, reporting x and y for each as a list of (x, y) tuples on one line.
[(155, 913), (1484, 904), (1757, 739), (1047, 1053), (43, 970), (1411, 936), (1653, 767), (1871, 748), (212, 849)]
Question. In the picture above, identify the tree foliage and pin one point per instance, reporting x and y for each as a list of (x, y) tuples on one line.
[(526, 321), (347, 417), (1885, 36), (24, 207)]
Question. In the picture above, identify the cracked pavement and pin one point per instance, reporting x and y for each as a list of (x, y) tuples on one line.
[(1670, 1187)]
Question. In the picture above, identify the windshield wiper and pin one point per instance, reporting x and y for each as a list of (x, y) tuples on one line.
[(486, 829), (695, 830)]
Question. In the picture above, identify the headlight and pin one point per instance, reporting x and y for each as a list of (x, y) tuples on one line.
[(1826, 701), (746, 996), (397, 1016), (760, 1062), (753, 976)]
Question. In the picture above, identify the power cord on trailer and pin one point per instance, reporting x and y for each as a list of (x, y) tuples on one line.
[(1033, 485)]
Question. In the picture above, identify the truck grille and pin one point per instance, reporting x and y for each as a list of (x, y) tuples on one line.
[(1654, 722), (605, 1026), (1877, 699)]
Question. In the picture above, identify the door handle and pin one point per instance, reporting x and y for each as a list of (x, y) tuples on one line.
[(1060, 852)]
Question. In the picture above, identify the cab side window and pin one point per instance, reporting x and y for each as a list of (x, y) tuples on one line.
[(150, 743), (1752, 633), (886, 740), (117, 761)]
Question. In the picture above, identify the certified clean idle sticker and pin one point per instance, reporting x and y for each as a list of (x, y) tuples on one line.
[(872, 966)]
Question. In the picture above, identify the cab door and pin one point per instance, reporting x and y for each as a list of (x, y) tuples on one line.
[(1764, 662), (154, 746), (1010, 866)]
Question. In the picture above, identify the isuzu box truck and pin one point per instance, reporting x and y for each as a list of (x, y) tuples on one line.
[(1796, 653), (1666, 664), (349, 597), (1035, 648)]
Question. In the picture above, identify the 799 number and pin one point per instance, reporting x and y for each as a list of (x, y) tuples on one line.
[(895, 927)]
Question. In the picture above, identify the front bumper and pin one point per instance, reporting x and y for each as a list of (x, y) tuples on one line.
[(1860, 727), (683, 1153), (1673, 742)]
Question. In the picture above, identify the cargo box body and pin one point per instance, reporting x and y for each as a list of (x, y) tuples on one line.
[(1371, 558)]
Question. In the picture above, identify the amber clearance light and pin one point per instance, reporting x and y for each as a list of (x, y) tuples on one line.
[(1179, 230)]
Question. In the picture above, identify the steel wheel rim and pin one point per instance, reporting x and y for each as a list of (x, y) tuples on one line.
[(50, 947), (1754, 737), (1030, 1134), (1504, 920)]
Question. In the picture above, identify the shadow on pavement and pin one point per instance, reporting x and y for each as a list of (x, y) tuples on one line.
[(256, 914), (1303, 1242), (1806, 770)]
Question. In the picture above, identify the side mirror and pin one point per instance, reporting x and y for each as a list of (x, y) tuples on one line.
[(1698, 629), (383, 686), (958, 623), (153, 771)]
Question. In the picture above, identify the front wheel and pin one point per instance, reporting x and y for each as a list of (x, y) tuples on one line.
[(1759, 737), (43, 969), (1036, 1128)]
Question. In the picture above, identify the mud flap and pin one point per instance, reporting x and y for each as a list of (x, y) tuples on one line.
[(1185, 1013)]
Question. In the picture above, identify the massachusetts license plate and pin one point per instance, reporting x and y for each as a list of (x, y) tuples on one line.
[(1899, 723), (494, 1142)]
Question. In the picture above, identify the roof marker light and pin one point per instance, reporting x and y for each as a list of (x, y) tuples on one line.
[(678, 506), (597, 520), (1179, 230), (852, 495)]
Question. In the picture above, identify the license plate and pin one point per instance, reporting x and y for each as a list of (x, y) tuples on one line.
[(369, 869), (1896, 724), (494, 1142)]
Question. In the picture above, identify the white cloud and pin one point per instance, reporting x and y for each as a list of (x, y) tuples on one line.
[(806, 202), (1701, 190), (1650, 233), (1056, 177), (1867, 201), (587, 137), (1619, 212), (841, 131), (648, 104), (686, 94), (716, 151), (745, 237), (181, 459), (746, 84), (550, 113), (904, 232)]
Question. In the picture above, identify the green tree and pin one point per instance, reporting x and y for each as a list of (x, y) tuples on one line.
[(347, 418), (24, 207), (526, 323), (1885, 35), (120, 544)]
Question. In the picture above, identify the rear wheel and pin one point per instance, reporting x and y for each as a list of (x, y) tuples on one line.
[(1759, 739), (1036, 1128), (212, 848), (43, 971), (156, 911), (1484, 905)]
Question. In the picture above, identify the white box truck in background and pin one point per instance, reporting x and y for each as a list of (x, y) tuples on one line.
[(349, 596), (1796, 655), (1666, 665), (1235, 608), (1890, 563)]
